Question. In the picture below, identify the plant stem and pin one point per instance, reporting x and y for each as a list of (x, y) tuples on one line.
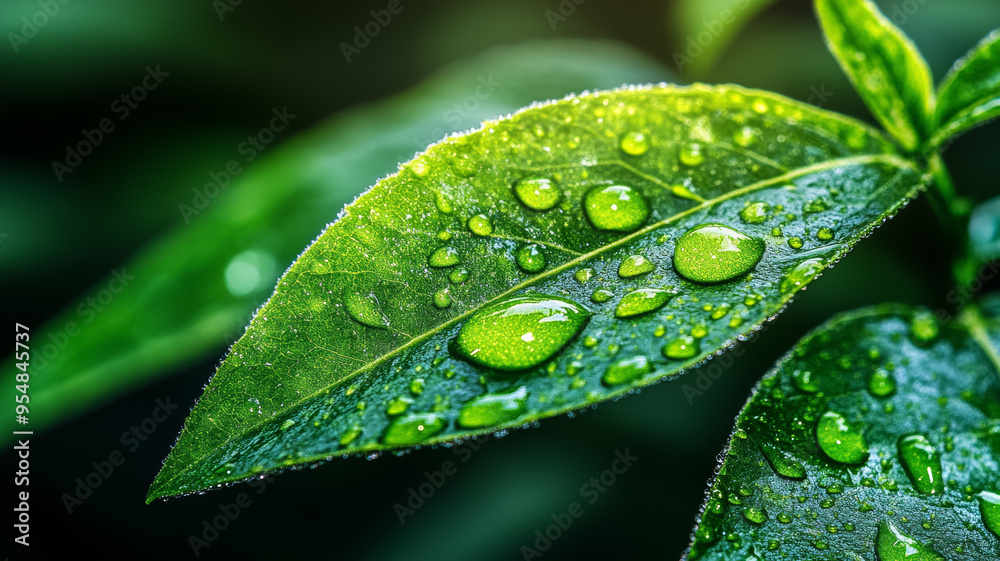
[(952, 212)]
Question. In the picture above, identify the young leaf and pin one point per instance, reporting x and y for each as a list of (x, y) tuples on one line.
[(878, 428), (553, 259), (884, 66), (970, 93)]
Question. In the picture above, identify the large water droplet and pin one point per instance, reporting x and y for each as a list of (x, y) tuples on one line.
[(634, 143), (893, 545), (537, 193), (443, 257), (492, 409), (616, 208), (520, 332), (480, 225), (642, 301), (783, 463), (627, 370), (635, 265), (840, 440), (681, 348), (530, 258), (755, 213), (413, 428), (711, 253), (801, 274), (989, 508), (922, 464), (365, 309)]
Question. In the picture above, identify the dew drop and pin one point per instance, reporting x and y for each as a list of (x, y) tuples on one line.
[(444, 235), (398, 405), (892, 544), (443, 203), (365, 309), (537, 193), (841, 441), (287, 424), (626, 370), (635, 265), (417, 386), (582, 276), (443, 257), (691, 155), (922, 463), (795, 243), (520, 332), (442, 299), (530, 258), (458, 276), (480, 225), (754, 515), (710, 253), (642, 301), (634, 143), (881, 383), (350, 435), (815, 206), (413, 428), (824, 234), (801, 274), (744, 137), (601, 296), (923, 327), (755, 213), (616, 208), (805, 381), (989, 508), (783, 463), (681, 348), (493, 409)]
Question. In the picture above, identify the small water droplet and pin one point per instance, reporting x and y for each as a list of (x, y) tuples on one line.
[(691, 155), (458, 276), (349, 435), (398, 405), (413, 428), (840, 440), (783, 463), (642, 301), (287, 424), (626, 370), (480, 225), (711, 253), (634, 143), (530, 259), (417, 386), (582, 276), (755, 213), (795, 243), (537, 193), (801, 274), (681, 348), (806, 381), (824, 234), (520, 332), (881, 383), (924, 327), (443, 203), (365, 309), (635, 265), (442, 299), (443, 257), (601, 296), (815, 206), (754, 515), (444, 235), (744, 137), (922, 463), (493, 409), (616, 208), (892, 544)]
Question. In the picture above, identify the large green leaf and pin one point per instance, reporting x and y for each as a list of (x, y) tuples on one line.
[(707, 28), (925, 400), (970, 93), (190, 293), (357, 351), (884, 66)]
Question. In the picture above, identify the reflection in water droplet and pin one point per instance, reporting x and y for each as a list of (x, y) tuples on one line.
[(681, 348), (492, 409), (537, 193), (922, 464), (783, 463), (710, 253), (413, 428), (801, 274), (520, 332), (892, 544), (480, 225), (881, 383), (691, 155), (635, 265), (989, 508), (365, 309), (642, 301), (626, 370), (634, 143), (617, 208), (755, 213), (840, 440), (442, 299), (443, 257), (530, 258)]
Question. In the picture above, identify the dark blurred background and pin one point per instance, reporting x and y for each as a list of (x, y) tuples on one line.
[(224, 67)]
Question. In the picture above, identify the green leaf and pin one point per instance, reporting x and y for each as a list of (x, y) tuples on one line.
[(187, 298), (984, 231), (398, 326), (921, 402), (970, 94), (708, 27), (884, 66)]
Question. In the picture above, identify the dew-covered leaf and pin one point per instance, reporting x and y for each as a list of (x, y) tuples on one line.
[(528, 269), (878, 433), (970, 93), (885, 67)]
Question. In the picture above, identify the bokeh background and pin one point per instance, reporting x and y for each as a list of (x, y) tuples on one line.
[(198, 276)]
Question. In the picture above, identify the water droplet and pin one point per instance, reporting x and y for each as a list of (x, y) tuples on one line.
[(922, 464), (924, 327), (815, 206), (537, 193), (287, 424), (480, 225), (443, 203), (801, 274), (989, 508), (365, 309), (442, 299), (805, 381), (635, 265), (711, 253), (755, 213), (601, 296), (520, 332), (398, 405), (824, 234), (627, 370), (444, 235), (634, 143), (881, 383), (530, 259), (744, 137), (443, 257), (493, 409), (691, 155), (458, 276), (755, 515), (841, 441), (892, 544), (616, 208), (413, 428), (642, 301), (350, 435), (417, 386), (681, 348), (582, 276), (783, 463), (795, 243)]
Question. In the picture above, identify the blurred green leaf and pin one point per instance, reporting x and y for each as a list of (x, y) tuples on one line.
[(708, 27), (191, 292), (922, 403), (984, 230), (970, 94), (883, 64), (438, 305)]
